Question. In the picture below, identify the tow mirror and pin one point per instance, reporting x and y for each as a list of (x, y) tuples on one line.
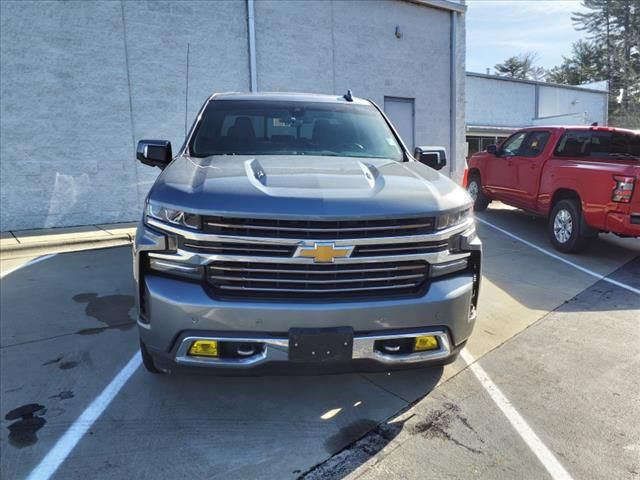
[(155, 153), (492, 149), (434, 157)]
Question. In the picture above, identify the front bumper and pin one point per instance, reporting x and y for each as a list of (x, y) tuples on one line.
[(180, 312)]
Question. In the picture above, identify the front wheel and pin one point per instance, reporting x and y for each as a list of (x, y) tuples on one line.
[(474, 188), (565, 225)]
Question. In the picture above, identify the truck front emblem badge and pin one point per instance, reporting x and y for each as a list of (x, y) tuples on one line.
[(323, 252)]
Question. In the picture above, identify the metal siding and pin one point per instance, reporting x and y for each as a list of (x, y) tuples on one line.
[(514, 103), (499, 103), (559, 101)]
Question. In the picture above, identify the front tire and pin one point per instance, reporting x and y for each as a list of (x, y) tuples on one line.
[(474, 188), (565, 226)]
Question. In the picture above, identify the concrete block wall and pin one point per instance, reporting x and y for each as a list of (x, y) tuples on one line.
[(82, 82)]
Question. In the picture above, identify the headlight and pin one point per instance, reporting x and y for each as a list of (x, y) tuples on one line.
[(453, 218), (173, 216)]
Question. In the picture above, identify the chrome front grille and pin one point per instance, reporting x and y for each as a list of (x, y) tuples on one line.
[(318, 229), (292, 259), (285, 280)]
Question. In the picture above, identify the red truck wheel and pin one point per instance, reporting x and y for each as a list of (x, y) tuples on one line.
[(565, 226)]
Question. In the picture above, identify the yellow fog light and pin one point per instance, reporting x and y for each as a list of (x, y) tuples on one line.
[(427, 342), (204, 348)]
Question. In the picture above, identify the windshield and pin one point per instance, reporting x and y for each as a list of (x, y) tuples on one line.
[(245, 127)]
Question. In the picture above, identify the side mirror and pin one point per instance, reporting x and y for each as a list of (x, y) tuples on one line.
[(434, 157), (492, 149), (155, 153)]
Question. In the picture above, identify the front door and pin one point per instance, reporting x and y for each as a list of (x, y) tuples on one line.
[(500, 172), (527, 168)]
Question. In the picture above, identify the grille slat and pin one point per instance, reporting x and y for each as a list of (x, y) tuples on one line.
[(333, 290), (318, 229), (230, 248), (301, 280), (308, 281), (413, 248), (312, 272)]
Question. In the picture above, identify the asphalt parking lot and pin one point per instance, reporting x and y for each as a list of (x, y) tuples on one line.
[(561, 346)]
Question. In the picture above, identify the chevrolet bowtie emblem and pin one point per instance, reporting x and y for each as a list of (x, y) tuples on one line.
[(323, 252)]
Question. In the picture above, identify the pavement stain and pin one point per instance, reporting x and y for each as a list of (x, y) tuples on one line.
[(112, 310), (23, 432), (13, 390), (348, 434), (63, 395), (68, 365), (348, 458), (437, 423), (54, 361)]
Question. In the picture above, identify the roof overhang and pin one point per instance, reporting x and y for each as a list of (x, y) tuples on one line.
[(490, 130), (441, 5), (535, 82)]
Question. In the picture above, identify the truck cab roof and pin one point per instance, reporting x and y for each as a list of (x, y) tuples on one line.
[(288, 97), (592, 128)]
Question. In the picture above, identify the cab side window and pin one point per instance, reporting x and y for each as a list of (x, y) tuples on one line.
[(574, 144), (598, 144), (534, 144), (512, 146)]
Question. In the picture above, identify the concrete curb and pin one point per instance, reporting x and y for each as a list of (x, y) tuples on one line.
[(64, 245)]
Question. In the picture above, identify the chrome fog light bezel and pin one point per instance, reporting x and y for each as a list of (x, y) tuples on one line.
[(179, 269)]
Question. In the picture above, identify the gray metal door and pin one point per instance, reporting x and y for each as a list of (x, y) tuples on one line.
[(401, 113)]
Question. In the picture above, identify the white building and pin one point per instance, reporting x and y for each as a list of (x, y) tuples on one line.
[(498, 106)]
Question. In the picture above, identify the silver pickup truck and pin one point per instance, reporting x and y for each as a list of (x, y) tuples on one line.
[(296, 232)]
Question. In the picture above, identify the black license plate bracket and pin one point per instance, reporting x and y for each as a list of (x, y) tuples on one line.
[(320, 345)]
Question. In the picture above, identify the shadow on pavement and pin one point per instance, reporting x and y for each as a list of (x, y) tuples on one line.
[(538, 281), (250, 427)]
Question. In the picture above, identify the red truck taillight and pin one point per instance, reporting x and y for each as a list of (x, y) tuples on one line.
[(623, 189)]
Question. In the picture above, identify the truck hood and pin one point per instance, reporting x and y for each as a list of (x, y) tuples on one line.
[(305, 186)]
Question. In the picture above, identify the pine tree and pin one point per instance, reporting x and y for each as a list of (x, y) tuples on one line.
[(519, 67), (614, 25), (586, 64)]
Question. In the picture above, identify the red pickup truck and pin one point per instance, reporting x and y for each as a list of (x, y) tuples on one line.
[(584, 179)]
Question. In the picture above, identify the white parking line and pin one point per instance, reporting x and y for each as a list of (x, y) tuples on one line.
[(30, 262), (548, 460), (558, 257), (63, 447)]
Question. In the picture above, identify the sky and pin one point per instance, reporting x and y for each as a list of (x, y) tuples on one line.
[(498, 29)]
